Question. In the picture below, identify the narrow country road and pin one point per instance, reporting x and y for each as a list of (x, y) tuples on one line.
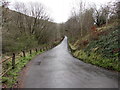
[(56, 68)]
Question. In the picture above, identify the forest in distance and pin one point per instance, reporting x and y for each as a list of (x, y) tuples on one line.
[(29, 25), (93, 33)]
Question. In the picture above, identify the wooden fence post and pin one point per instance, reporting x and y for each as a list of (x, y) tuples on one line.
[(23, 53), (36, 50), (13, 61), (30, 52)]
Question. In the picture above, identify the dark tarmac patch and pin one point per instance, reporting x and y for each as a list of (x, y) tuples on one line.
[(38, 63)]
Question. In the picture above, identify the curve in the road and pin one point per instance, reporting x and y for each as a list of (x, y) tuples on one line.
[(58, 69)]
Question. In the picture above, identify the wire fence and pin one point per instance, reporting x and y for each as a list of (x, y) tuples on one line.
[(10, 62)]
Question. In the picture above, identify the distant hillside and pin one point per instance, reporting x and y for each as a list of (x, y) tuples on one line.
[(20, 31)]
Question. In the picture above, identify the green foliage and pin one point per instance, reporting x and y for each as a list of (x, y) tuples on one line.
[(5, 79), (107, 45), (22, 42), (102, 52), (11, 77), (98, 60)]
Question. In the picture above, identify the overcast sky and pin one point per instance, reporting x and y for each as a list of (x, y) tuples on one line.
[(60, 10)]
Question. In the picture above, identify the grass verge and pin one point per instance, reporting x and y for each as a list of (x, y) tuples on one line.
[(11, 77), (97, 60)]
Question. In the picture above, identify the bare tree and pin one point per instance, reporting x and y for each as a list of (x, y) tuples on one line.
[(5, 3), (102, 15), (81, 16), (81, 21)]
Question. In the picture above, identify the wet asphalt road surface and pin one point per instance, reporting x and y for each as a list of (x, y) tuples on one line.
[(56, 68)]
